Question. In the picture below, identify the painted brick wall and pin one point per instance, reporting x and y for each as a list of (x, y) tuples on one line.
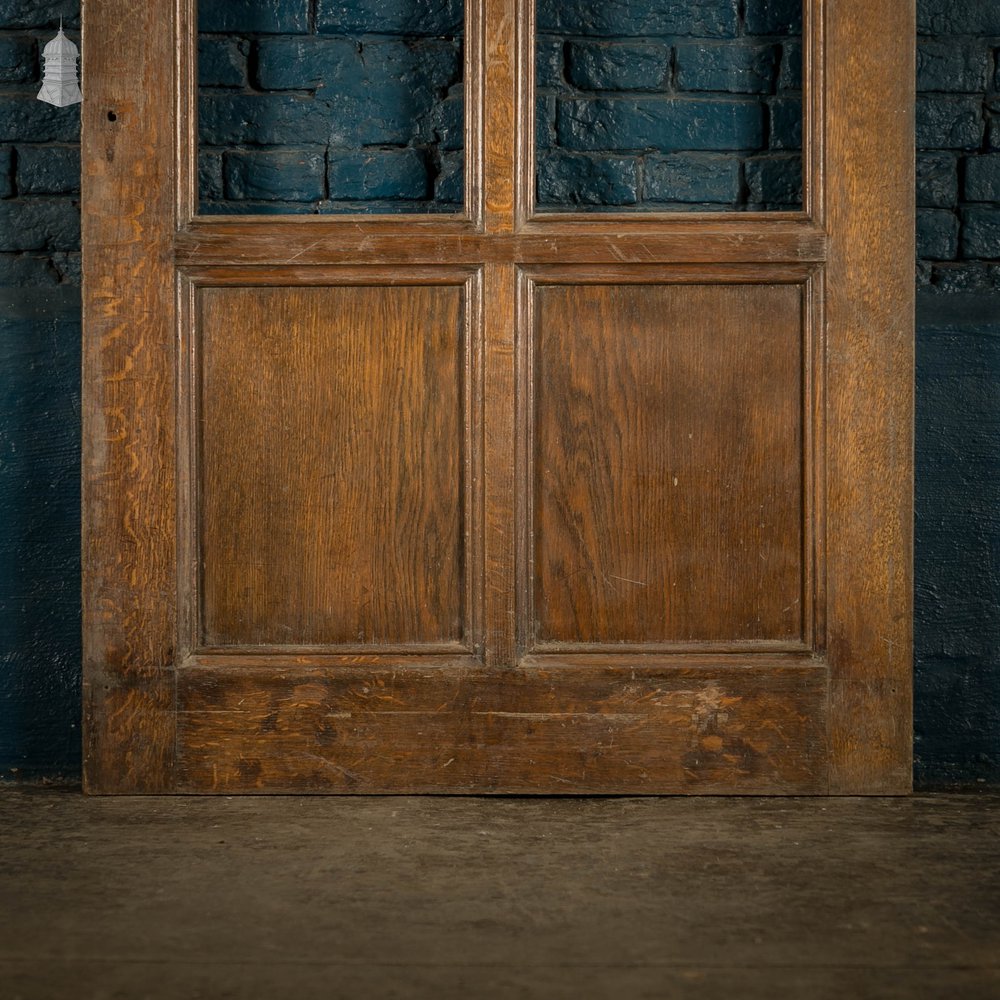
[(958, 371)]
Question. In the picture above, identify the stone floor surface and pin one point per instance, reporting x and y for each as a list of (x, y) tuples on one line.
[(471, 898)]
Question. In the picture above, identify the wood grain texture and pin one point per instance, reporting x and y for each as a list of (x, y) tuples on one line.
[(129, 550), (870, 322), (752, 727), (330, 475), (666, 464)]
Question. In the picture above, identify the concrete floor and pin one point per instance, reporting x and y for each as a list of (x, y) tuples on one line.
[(497, 898)]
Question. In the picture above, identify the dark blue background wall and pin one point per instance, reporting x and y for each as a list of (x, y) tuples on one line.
[(958, 396)]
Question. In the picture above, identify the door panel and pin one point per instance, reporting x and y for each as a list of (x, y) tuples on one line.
[(667, 465), (329, 478), (502, 501)]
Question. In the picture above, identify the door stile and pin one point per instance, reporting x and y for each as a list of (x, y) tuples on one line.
[(869, 312), (129, 492)]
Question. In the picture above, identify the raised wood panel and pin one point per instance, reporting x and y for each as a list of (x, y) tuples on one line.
[(735, 728), (665, 459), (331, 447)]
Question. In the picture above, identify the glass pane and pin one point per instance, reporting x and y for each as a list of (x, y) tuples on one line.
[(669, 105), (323, 106)]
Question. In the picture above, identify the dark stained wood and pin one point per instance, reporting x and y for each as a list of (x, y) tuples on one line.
[(666, 464), (313, 240), (756, 726), (330, 467), (870, 325), (485, 387), (129, 526)]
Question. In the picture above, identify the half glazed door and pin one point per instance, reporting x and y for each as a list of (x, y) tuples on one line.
[(511, 499)]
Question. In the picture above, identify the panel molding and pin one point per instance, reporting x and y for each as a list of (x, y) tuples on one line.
[(191, 639), (813, 589)]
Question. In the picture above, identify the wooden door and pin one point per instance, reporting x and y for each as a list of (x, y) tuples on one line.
[(507, 501)]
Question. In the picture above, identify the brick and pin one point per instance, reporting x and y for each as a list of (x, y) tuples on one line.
[(444, 126), (390, 174), (275, 174), (22, 270), (981, 233), (68, 267), (774, 180), (993, 131), (545, 122), (666, 124), (48, 169), (449, 184), (36, 224), (958, 17), (210, 184), (733, 67), (970, 276), (277, 17), (609, 18), (39, 13), (982, 178), (574, 179), (937, 180), (550, 57), (786, 122), (951, 66), (949, 122), (774, 17), (25, 119), (260, 119), (222, 62), (6, 171), (791, 74), (937, 234), (18, 59), (380, 94), (261, 208), (692, 177), (619, 66), (389, 17)]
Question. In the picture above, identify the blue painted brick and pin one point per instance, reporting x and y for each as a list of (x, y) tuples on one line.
[(619, 66), (958, 17), (39, 13), (254, 16), (981, 233), (774, 17), (210, 185), (444, 125), (388, 173), (946, 122), (6, 171), (937, 180), (48, 169), (449, 184), (982, 178), (261, 119), (666, 124), (390, 17), (575, 179), (222, 62), (791, 74), (379, 94), (275, 174), (734, 67), (937, 234), (39, 224), (774, 180), (545, 122), (952, 66), (693, 177), (18, 59), (786, 122), (610, 18), (549, 63), (260, 208), (25, 119), (993, 131)]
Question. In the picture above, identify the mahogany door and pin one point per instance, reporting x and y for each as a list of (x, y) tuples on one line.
[(506, 501)]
